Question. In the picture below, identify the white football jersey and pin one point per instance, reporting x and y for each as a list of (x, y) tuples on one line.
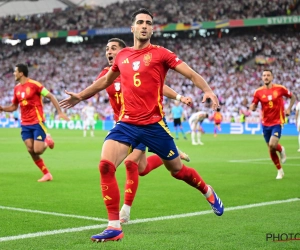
[(89, 112), (195, 117)]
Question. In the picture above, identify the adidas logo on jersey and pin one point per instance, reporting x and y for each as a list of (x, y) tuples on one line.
[(126, 61), (171, 153), (107, 198)]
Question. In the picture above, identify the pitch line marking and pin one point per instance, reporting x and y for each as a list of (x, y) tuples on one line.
[(80, 229), (53, 213), (261, 159)]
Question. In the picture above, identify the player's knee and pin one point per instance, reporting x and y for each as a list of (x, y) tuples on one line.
[(30, 150), (131, 166), (106, 167)]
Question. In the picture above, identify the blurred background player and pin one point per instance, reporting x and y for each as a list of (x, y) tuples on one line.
[(136, 163), (195, 122), (88, 118), (270, 96), (217, 116), (298, 123), (178, 114), (27, 94)]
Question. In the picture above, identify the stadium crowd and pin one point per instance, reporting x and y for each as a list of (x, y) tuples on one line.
[(227, 63), (176, 11)]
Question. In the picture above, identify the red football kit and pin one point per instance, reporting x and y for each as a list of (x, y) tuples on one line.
[(143, 74), (217, 117), (28, 95), (272, 103), (114, 94)]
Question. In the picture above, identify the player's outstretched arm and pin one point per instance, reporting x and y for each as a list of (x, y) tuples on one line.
[(56, 105), (198, 80), (172, 94), (10, 108), (292, 102), (98, 85)]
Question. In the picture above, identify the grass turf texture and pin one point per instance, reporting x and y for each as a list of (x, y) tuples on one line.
[(75, 191)]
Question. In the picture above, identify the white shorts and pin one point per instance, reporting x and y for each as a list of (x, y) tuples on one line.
[(88, 122)]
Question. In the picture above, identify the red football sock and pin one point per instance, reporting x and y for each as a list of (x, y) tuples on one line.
[(279, 148), (275, 159), (153, 162), (110, 189), (191, 177), (41, 165), (132, 182)]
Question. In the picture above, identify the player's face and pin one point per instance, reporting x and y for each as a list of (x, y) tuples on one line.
[(142, 28), (17, 74), (267, 77), (112, 49)]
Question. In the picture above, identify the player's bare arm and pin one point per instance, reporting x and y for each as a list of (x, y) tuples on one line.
[(172, 94), (292, 102), (55, 103), (10, 108), (98, 85), (253, 107), (198, 80)]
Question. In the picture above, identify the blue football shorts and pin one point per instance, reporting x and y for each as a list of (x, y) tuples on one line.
[(269, 131), (36, 131), (156, 137)]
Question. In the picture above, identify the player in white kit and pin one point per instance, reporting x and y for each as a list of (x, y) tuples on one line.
[(298, 122), (88, 118), (195, 124)]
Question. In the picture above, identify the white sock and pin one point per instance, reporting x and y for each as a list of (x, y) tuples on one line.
[(126, 208), (114, 223), (209, 192), (198, 136), (193, 137)]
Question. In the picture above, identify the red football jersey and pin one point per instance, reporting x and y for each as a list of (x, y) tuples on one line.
[(114, 94), (143, 74), (272, 103), (28, 95), (218, 117)]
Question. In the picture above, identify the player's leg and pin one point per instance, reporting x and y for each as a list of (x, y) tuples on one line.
[(215, 130), (84, 128), (162, 143), (181, 129), (299, 140), (193, 133), (92, 127), (198, 133), (33, 138), (272, 135), (114, 151), (131, 162)]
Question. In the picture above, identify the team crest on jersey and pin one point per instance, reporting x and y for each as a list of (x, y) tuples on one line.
[(270, 97), (27, 91), (22, 94), (117, 86), (147, 59), (275, 94), (136, 65)]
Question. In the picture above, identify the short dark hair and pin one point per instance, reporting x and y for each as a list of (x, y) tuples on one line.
[(218, 109), (22, 68), (140, 11), (268, 70), (122, 44)]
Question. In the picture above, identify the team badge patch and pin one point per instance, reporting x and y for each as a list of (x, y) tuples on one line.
[(136, 65), (275, 94), (22, 94), (269, 97), (147, 59), (117, 86)]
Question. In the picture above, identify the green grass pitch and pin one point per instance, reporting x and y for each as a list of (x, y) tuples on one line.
[(167, 213)]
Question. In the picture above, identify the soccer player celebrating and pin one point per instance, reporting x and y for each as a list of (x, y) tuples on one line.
[(136, 163), (195, 122), (143, 69), (27, 94), (273, 116)]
